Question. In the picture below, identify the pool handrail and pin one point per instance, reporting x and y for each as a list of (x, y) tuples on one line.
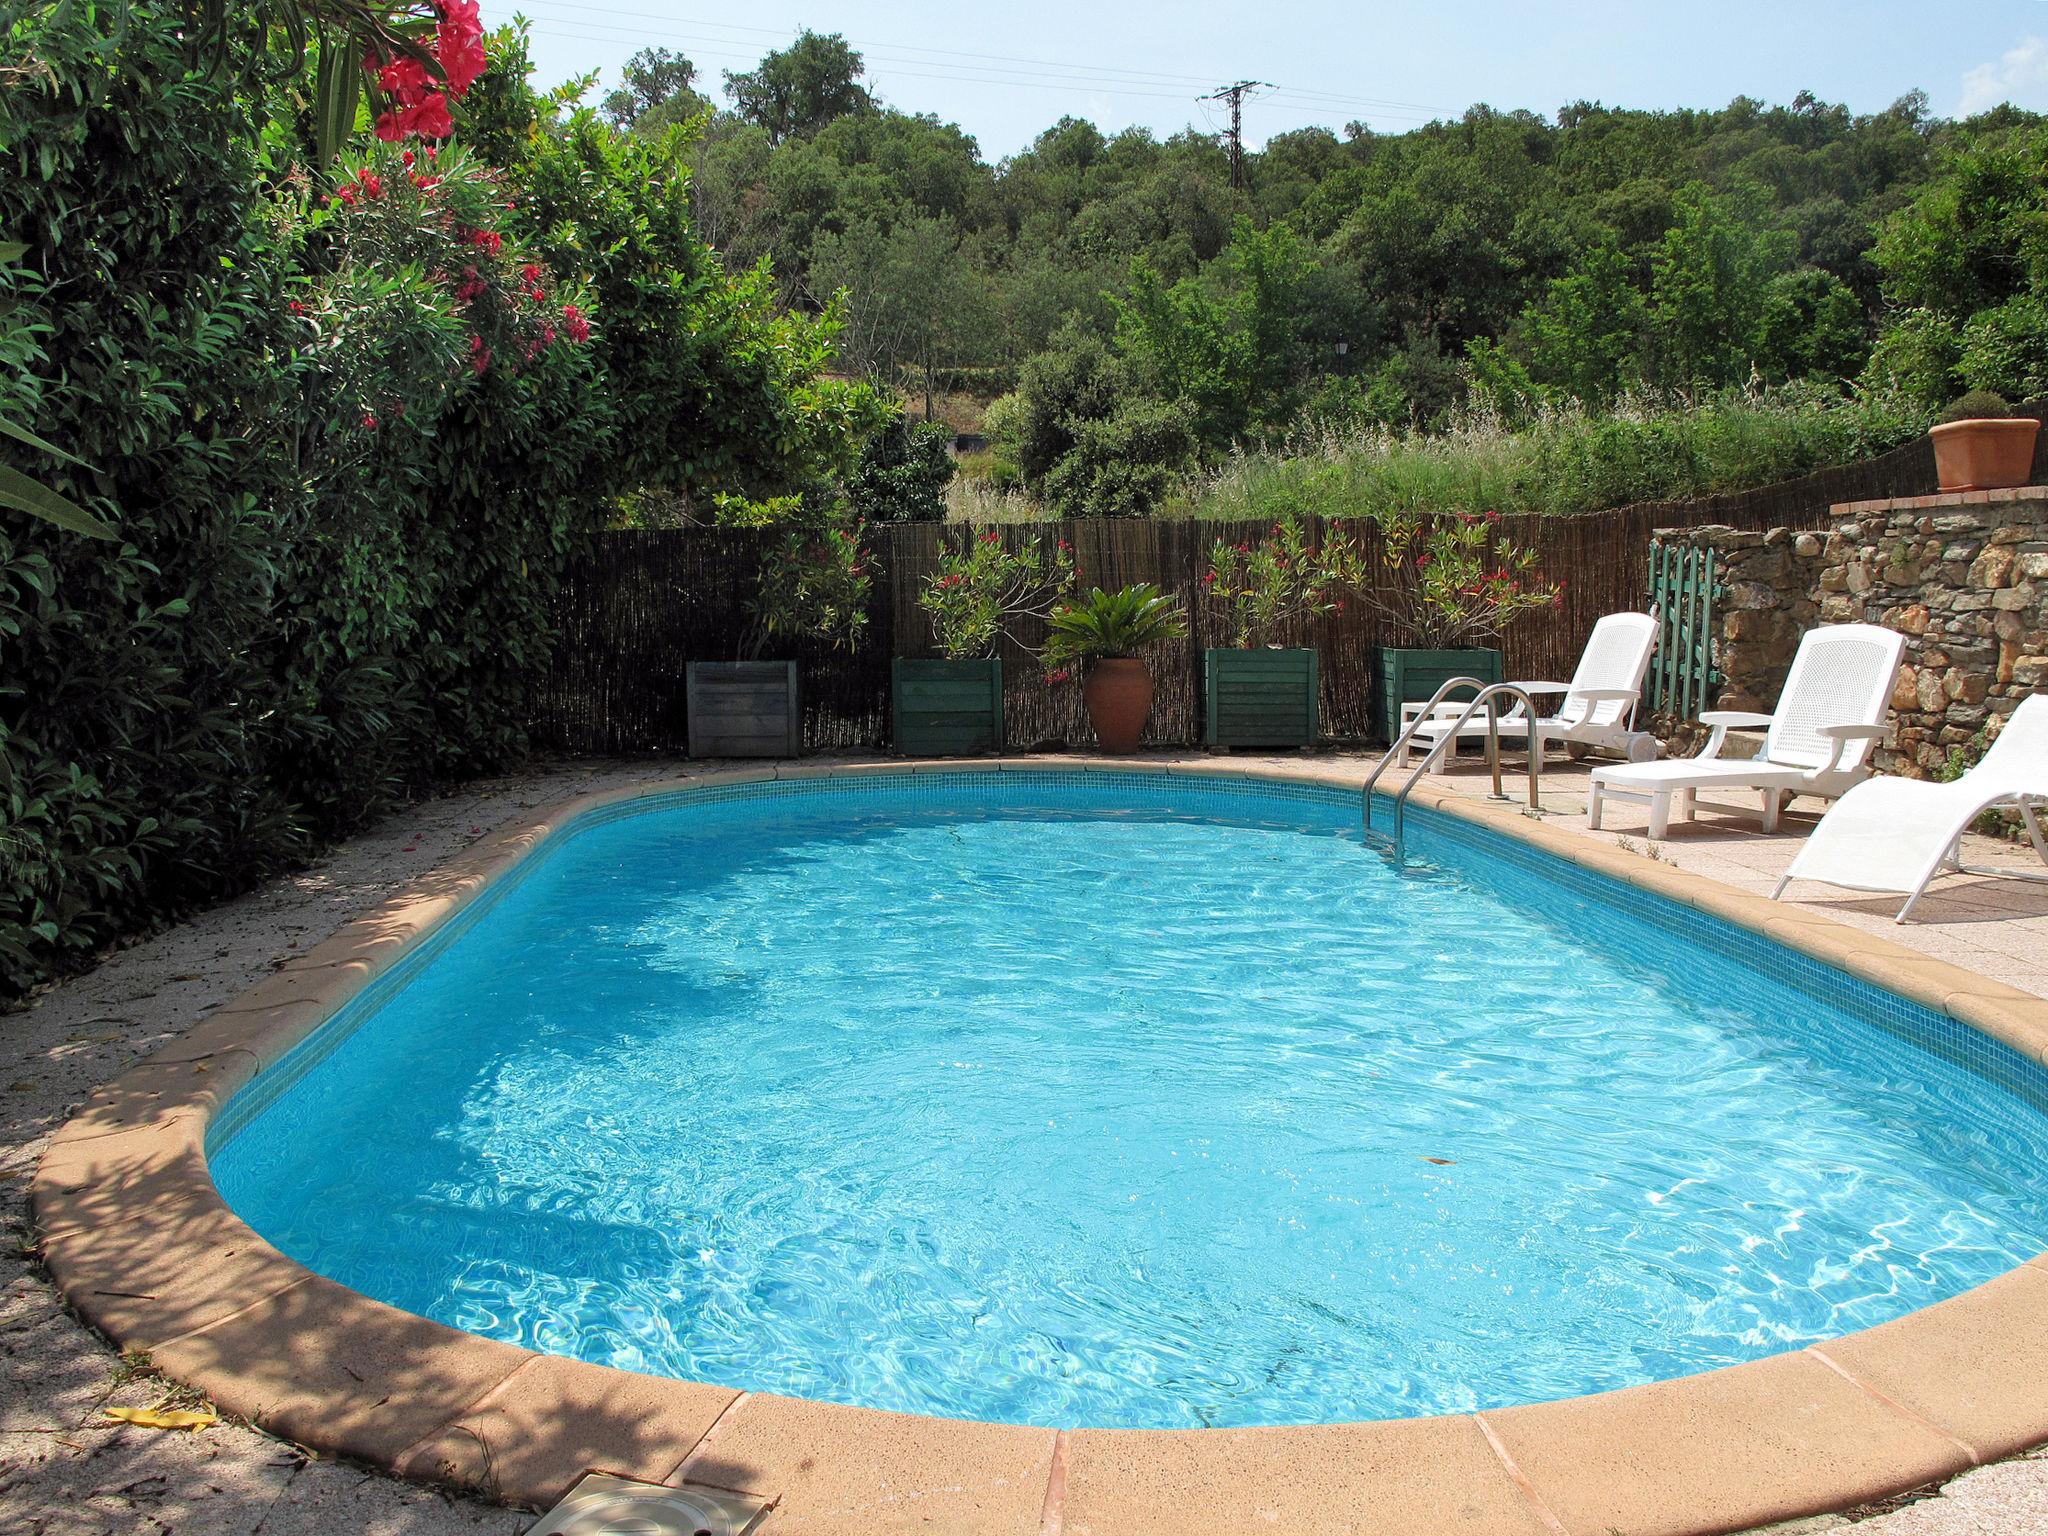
[(1487, 694)]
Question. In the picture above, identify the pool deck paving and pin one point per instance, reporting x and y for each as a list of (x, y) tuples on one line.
[(1916, 1402)]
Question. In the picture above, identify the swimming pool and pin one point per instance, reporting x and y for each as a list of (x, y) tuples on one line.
[(1121, 1099)]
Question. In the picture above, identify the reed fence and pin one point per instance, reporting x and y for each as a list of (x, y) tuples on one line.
[(641, 604)]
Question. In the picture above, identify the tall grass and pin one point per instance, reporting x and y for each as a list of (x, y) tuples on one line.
[(1559, 462)]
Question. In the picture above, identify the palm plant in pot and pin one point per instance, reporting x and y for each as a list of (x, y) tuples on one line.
[(1980, 445), (954, 702), (1258, 692), (1105, 634), (1452, 585)]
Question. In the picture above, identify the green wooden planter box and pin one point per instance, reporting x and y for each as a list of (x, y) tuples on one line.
[(944, 708), (1260, 698), (1413, 677), (744, 709)]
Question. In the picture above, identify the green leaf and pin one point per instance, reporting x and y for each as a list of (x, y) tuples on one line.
[(23, 435), (20, 492)]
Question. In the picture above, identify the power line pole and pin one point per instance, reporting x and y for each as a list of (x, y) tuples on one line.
[(1235, 94)]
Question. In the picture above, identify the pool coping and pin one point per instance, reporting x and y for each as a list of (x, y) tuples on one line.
[(136, 1236)]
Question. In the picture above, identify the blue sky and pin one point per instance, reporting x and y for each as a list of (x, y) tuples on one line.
[(1005, 72)]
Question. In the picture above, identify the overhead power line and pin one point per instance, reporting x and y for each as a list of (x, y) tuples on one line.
[(926, 62)]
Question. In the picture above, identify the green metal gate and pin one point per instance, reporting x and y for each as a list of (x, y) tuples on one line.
[(1682, 593)]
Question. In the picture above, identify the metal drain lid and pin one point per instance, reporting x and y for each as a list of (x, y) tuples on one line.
[(604, 1505)]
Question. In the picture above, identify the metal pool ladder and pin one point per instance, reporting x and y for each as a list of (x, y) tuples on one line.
[(1485, 696)]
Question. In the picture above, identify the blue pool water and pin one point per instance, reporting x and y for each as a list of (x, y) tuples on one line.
[(1120, 1100)]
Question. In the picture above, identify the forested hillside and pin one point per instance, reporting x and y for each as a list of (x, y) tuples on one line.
[(1150, 315)]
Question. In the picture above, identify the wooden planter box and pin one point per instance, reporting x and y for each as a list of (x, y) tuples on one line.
[(1413, 677), (744, 709), (1260, 698), (941, 708)]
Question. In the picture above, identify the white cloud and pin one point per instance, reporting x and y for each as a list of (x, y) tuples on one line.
[(2020, 77)]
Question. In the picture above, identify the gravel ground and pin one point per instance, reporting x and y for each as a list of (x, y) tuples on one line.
[(66, 1470)]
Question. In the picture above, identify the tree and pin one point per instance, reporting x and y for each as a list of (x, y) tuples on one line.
[(656, 91), (1966, 264), (1708, 279), (913, 300), (903, 473), (1584, 336), (799, 89)]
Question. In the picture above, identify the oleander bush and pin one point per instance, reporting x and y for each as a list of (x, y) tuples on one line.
[(349, 421)]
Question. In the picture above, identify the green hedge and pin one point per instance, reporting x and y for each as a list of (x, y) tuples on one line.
[(348, 442)]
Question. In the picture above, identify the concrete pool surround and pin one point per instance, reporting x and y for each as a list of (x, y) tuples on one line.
[(134, 1232)]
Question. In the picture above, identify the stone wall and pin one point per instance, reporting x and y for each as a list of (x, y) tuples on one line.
[(1963, 577)]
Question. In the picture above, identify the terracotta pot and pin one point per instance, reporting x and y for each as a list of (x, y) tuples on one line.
[(1984, 454), (1118, 694)]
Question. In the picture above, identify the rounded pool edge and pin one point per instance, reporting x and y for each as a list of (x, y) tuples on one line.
[(136, 1236)]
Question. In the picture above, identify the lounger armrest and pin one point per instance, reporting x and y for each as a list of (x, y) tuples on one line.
[(1603, 695), (1839, 737), (1725, 720), (1536, 688)]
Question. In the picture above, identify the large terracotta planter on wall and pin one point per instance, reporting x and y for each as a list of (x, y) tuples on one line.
[(1984, 453), (1118, 694)]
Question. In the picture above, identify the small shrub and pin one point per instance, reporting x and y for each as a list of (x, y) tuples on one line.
[(1262, 590), (1977, 405), (815, 585), (983, 587)]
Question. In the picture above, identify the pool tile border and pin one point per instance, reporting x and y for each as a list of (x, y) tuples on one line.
[(141, 1244)]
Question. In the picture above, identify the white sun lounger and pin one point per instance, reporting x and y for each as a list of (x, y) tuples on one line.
[(1599, 708), (1898, 834), (1829, 717)]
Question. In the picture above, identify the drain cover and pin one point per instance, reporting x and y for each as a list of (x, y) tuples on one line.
[(603, 1505)]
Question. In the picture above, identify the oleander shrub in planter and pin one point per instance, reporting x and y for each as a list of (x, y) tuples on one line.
[(815, 583), (953, 703), (1258, 692), (1449, 584)]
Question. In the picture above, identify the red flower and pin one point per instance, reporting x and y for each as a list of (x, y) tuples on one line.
[(489, 241), (1422, 562), (574, 322), (295, 308), (369, 422), (371, 183), (460, 45), (479, 355)]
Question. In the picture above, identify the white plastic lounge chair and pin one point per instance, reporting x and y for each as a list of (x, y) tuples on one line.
[(1898, 834), (1599, 708), (1829, 717)]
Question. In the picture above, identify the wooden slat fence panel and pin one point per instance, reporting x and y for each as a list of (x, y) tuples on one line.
[(641, 604)]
